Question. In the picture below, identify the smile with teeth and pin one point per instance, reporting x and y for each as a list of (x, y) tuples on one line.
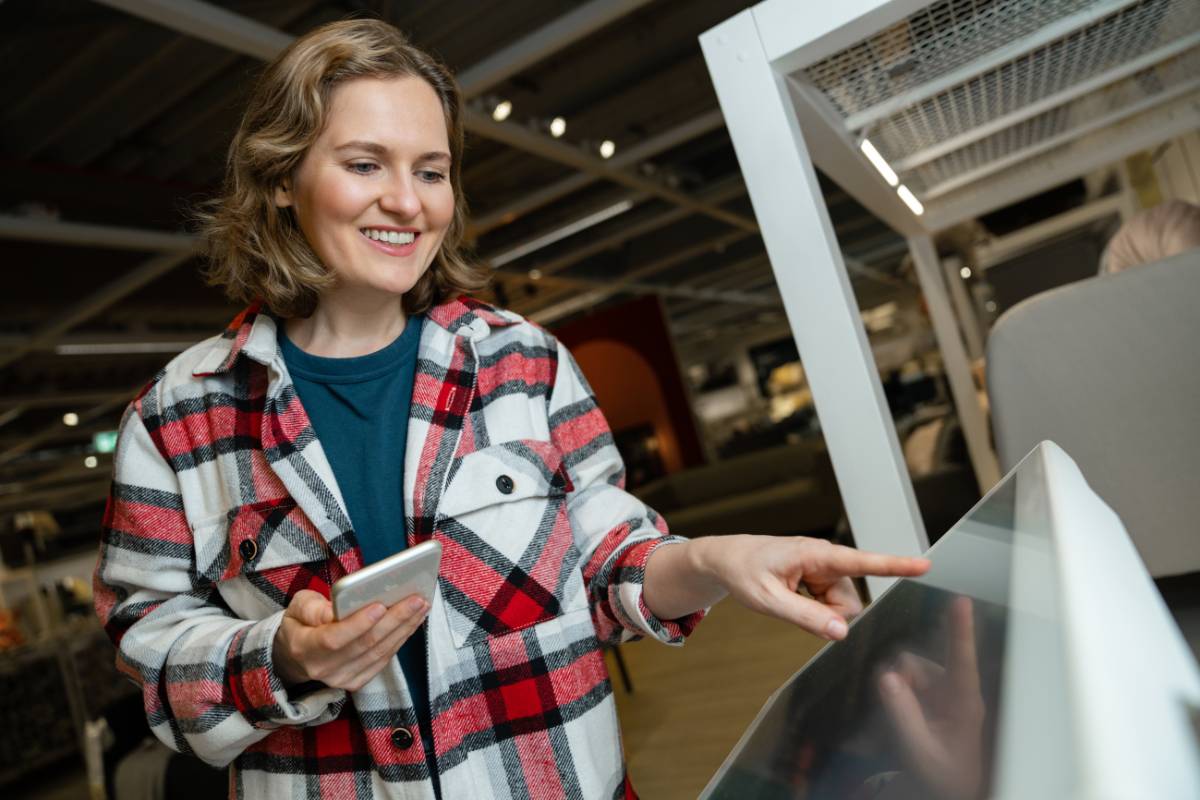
[(389, 237)]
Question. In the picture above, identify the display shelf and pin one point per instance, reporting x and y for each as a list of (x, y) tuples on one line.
[(33, 698), (52, 686), (9, 774)]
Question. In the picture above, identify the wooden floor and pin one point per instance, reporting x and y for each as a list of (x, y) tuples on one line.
[(691, 704)]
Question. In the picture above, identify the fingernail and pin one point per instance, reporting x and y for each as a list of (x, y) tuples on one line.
[(836, 629), (890, 682), (416, 604), (376, 612)]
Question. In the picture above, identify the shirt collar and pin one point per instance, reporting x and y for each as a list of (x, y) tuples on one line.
[(253, 332)]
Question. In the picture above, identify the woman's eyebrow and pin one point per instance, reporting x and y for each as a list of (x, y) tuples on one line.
[(359, 144), (375, 148)]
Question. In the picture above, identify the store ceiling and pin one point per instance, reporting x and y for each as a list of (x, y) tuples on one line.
[(115, 120)]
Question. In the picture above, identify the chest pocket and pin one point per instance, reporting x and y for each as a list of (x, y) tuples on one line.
[(263, 554), (508, 554)]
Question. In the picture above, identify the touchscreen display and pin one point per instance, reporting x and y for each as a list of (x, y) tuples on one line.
[(907, 705)]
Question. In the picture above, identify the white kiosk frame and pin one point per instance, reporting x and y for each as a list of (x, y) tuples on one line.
[(974, 106)]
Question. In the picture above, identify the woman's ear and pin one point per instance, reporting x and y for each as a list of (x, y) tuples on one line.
[(283, 195)]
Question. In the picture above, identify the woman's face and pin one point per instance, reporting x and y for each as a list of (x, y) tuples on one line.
[(372, 195)]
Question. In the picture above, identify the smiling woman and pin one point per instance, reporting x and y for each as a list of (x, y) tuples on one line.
[(256, 244), (363, 404), (373, 199)]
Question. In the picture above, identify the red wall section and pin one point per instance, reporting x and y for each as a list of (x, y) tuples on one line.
[(627, 355)]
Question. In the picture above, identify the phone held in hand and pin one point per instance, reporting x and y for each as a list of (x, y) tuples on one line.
[(413, 570)]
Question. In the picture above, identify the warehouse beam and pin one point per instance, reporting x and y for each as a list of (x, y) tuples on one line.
[(545, 41), (208, 22)]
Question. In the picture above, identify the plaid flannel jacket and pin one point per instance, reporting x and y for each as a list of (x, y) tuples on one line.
[(223, 506)]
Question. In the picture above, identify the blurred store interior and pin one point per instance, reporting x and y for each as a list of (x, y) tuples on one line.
[(604, 191)]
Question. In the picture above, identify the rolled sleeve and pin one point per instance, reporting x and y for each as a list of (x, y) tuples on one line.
[(256, 689), (614, 531)]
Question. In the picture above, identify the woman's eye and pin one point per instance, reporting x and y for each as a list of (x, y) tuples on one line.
[(363, 167), (431, 176)]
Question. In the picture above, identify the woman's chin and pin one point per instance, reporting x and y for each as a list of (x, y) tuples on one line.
[(376, 290)]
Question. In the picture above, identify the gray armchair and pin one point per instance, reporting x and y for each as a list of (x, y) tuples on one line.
[(1109, 369)]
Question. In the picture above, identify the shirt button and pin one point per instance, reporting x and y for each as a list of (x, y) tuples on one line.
[(402, 738), (249, 549), (504, 484)]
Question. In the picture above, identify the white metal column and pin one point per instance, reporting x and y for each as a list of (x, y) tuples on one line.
[(816, 291), (954, 359)]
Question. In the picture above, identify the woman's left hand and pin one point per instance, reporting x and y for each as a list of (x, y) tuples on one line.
[(767, 573)]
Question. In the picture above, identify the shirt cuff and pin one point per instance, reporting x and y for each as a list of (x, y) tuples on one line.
[(257, 691), (632, 604)]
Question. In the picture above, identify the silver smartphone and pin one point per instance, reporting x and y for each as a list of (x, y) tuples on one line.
[(413, 570)]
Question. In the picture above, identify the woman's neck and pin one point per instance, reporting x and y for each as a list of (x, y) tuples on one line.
[(342, 327)]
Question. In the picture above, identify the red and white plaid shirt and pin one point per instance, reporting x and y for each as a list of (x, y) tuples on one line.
[(223, 506)]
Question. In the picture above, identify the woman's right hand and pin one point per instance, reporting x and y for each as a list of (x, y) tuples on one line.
[(311, 645)]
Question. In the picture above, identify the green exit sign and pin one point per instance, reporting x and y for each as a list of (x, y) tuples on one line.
[(105, 441)]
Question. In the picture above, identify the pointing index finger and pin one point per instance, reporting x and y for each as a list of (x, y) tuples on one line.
[(848, 561)]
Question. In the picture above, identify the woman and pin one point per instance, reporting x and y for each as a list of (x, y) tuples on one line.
[(262, 465), (1151, 235)]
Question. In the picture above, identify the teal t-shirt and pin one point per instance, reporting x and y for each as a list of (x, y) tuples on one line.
[(359, 410)]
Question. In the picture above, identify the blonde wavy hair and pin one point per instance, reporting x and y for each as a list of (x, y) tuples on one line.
[(256, 249), (1151, 235)]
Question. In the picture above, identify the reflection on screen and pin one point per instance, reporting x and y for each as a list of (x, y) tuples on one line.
[(906, 706)]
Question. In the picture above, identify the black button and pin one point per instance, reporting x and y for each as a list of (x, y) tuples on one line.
[(402, 738), (504, 484), (249, 549)]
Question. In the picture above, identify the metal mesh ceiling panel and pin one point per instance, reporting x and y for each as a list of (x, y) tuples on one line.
[(929, 44), (965, 88), (1138, 31), (1031, 169), (1046, 130)]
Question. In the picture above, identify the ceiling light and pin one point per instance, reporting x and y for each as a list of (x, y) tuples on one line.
[(965, 272), (535, 274), (990, 305), (70, 419), (877, 161), (607, 148), (558, 126), (90, 462), (910, 200), (502, 110)]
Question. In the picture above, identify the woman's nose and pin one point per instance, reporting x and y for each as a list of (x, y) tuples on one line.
[(400, 197)]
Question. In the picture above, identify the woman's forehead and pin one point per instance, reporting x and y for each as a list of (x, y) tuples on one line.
[(401, 112)]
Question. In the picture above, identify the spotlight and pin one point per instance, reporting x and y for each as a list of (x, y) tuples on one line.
[(90, 462), (558, 126), (990, 305), (501, 110), (70, 419), (965, 272), (607, 148), (535, 274)]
